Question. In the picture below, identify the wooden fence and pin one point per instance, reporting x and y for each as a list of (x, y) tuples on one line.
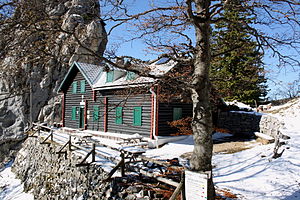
[(125, 162)]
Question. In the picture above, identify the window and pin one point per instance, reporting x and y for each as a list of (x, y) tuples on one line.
[(74, 87), (96, 113), (137, 116), (110, 76), (130, 76), (74, 112), (177, 113), (119, 115), (82, 86)]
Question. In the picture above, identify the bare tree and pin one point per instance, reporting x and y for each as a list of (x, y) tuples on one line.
[(182, 30), (169, 27)]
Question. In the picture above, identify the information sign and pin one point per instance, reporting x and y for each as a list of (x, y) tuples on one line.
[(195, 185)]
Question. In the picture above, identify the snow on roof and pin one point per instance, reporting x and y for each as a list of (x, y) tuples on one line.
[(161, 67), (239, 104), (121, 82), (97, 75)]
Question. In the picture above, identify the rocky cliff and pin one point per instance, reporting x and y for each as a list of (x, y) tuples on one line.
[(39, 42)]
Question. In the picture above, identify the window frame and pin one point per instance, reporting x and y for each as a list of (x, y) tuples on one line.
[(96, 111), (177, 113), (82, 86), (109, 76), (130, 76), (74, 113), (137, 113), (74, 87), (119, 115)]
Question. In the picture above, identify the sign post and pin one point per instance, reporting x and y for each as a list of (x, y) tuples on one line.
[(196, 185)]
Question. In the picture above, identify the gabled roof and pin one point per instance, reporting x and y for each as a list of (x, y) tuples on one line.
[(96, 75), (90, 72)]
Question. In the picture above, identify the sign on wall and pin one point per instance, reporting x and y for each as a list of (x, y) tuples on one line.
[(195, 185)]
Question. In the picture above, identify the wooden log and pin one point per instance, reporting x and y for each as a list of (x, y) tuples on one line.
[(177, 190), (111, 173), (264, 136), (82, 163), (49, 136), (158, 178)]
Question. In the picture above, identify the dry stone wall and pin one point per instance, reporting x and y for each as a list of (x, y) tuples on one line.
[(243, 123), (51, 176)]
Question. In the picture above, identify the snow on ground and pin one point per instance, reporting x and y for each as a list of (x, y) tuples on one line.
[(252, 173), (10, 187)]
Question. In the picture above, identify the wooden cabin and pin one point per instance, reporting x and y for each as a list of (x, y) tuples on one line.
[(108, 99)]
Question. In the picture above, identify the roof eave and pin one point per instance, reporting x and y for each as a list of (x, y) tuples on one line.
[(121, 86), (65, 78)]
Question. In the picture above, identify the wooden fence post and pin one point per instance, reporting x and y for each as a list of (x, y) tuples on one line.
[(70, 143), (123, 164), (94, 152), (51, 137), (183, 186)]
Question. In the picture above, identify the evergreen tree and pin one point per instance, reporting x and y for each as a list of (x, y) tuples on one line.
[(237, 70)]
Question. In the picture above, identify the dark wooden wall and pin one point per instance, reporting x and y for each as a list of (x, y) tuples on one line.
[(165, 112), (74, 100), (165, 115), (97, 125), (128, 103)]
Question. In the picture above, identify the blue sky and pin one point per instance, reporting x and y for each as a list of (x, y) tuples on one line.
[(279, 76)]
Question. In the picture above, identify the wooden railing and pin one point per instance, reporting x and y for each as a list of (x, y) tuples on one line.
[(121, 163)]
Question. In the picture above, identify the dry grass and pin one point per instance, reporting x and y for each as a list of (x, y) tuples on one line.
[(224, 194)]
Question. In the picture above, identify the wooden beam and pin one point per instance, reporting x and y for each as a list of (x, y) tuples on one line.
[(158, 178), (152, 116), (85, 114), (177, 190), (82, 163), (111, 173), (49, 136), (105, 115), (63, 109)]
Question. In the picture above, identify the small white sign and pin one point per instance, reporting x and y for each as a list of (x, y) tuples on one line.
[(195, 185), (82, 103)]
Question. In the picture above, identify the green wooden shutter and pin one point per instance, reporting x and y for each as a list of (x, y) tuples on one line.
[(119, 115), (96, 113), (130, 76), (110, 76), (74, 110), (82, 86), (177, 113), (74, 87), (137, 116)]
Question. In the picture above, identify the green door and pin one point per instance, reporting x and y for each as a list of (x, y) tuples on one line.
[(81, 117)]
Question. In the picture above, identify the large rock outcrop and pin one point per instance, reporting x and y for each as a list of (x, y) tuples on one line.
[(39, 42)]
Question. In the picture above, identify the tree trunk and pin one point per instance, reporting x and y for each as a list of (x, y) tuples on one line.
[(202, 119)]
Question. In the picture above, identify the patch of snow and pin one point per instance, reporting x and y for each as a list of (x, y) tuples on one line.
[(239, 104), (252, 173), (11, 188), (250, 113)]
